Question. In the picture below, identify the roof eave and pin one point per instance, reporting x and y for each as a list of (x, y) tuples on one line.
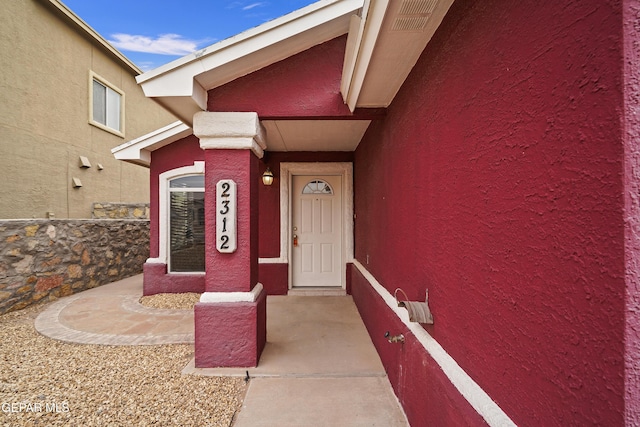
[(183, 78), (364, 33), (139, 150), (383, 47)]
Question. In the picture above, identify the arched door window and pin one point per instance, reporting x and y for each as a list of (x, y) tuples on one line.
[(186, 224), (317, 186)]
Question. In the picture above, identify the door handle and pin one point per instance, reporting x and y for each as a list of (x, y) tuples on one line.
[(295, 240)]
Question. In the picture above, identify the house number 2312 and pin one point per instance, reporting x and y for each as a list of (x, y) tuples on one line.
[(226, 216)]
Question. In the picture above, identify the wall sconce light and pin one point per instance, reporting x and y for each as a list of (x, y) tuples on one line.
[(267, 177)]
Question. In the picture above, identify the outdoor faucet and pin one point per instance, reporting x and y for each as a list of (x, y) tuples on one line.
[(395, 338)]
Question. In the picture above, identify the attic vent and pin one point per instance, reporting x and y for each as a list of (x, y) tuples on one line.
[(417, 7), (410, 23), (413, 15)]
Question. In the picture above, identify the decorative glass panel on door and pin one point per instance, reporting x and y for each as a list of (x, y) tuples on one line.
[(317, 186)]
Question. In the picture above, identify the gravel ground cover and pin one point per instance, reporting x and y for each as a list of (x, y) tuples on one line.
[(44, 382), (180, 301)]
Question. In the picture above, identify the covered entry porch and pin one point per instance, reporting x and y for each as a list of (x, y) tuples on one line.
[(319, 366), (295, 97)]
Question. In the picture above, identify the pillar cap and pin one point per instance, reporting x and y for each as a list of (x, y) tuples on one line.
[(230, 130), (221, 297)]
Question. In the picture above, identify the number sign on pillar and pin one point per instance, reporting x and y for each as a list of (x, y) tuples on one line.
[(226, 215)]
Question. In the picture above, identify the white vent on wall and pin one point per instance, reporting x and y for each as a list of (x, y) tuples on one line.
[(416, 7), (413, 15), (410, 24), (84, 162)]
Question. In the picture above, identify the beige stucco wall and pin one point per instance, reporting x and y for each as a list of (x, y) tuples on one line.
[(44, 118)]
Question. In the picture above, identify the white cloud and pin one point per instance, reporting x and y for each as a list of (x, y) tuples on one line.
[(165, 44), (252, 5), (146, 65), (240, 4)]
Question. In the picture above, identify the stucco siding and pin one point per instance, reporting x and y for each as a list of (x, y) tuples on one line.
[(499, 188), (632, 210), (304, 85), (44, 118)]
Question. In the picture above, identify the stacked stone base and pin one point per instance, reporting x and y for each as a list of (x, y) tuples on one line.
[(42, 259)]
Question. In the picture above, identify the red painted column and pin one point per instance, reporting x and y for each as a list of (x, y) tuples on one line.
[(237, 271), (230, 319)]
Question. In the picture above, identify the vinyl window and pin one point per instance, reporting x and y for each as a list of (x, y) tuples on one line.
[(186, 224), (107, 106)]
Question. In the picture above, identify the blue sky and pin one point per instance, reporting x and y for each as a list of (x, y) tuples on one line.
[(153, 32)]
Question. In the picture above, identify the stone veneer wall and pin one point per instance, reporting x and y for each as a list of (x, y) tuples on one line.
[(120, 210), (42, 259)]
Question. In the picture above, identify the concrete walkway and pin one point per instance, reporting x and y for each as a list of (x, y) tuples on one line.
[(319, 367)]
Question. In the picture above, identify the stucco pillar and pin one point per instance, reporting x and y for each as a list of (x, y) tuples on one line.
[(230, 319)]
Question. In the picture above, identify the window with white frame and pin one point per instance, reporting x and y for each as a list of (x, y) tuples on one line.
[(107, 105), (186, 224)]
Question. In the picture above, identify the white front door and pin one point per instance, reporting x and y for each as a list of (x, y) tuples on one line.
[(316, 230)]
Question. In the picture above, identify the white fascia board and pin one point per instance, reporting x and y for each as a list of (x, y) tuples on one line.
[(353, 43), (178, 93), (139, 150), (368, 31), (177, 82), (176, 78)]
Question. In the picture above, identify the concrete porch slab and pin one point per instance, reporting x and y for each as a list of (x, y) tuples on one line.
[(366, 401), (319, 368), (310, 336)]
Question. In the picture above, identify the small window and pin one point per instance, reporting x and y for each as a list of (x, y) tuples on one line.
[(317, 186), (186, 224), (192, 181), (107, 106)]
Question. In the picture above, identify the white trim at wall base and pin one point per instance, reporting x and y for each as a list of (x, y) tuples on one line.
[(469, 389), (272, 261)]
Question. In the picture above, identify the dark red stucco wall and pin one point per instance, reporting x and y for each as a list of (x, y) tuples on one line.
[(236, 271), (304, 85), (498, 185), (632, 206)]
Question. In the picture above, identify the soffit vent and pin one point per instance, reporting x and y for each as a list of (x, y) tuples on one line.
[(410, 24), (413, 15), (416, 7)]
